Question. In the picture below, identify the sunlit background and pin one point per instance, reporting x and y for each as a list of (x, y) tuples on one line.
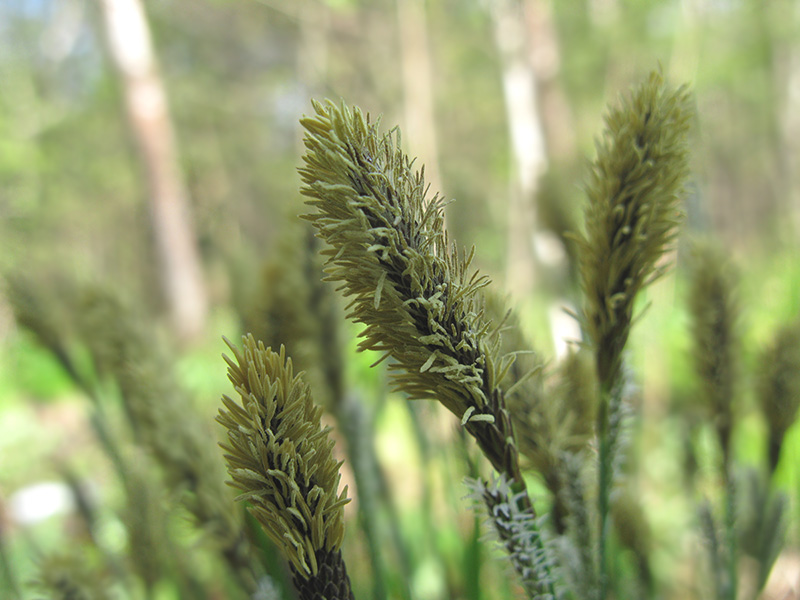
[(157, 158)]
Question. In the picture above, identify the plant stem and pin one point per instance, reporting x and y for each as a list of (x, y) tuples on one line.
[(603, 493), (730, 537), (608, 437)]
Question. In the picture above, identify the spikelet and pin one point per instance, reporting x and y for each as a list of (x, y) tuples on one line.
[(634, 195), (279, 458), (412, 290), (295, 308), (278, 312)]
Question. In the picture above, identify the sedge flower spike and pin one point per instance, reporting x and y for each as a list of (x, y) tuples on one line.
[(279, 457), (635, 190), (408, 285), (634, 194), (413, 291)]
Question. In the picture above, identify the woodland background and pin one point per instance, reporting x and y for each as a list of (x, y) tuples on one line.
[(500, 100)]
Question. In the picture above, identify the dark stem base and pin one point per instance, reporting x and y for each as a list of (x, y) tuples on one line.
[(330, 583)]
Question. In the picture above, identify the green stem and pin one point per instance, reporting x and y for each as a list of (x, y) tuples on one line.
[(11, 587), (358, 433), (395, 534)]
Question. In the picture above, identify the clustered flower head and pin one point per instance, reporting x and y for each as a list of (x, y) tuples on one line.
[(634, 191), (279, 457), (408, 285)]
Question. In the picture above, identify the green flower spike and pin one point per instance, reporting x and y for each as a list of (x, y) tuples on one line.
[(634, 195), (280, 458), (634, 191), (714, 312), (408, 285)]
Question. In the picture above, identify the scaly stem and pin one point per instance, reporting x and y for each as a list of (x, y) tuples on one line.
[(730, 538), (604, 489)]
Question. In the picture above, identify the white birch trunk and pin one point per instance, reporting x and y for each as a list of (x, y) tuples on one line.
[(527, 141)]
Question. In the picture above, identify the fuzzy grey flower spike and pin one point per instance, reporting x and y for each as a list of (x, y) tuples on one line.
[(279, 456), (515, 530)]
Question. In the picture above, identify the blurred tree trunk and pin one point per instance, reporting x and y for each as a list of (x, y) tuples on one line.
[(545, 57), (178, 257), (787, 69), (418, 93), (312, 47), (527, 141)]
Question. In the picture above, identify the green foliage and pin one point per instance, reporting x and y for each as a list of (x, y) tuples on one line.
[(445, 337)]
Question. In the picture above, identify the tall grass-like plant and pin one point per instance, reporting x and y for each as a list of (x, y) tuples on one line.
[(294, 308), (634, 192), (414, 292), (714, 319), (446, 337), (715, 311)]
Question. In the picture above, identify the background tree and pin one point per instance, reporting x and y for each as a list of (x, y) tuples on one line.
[(146, 108)]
